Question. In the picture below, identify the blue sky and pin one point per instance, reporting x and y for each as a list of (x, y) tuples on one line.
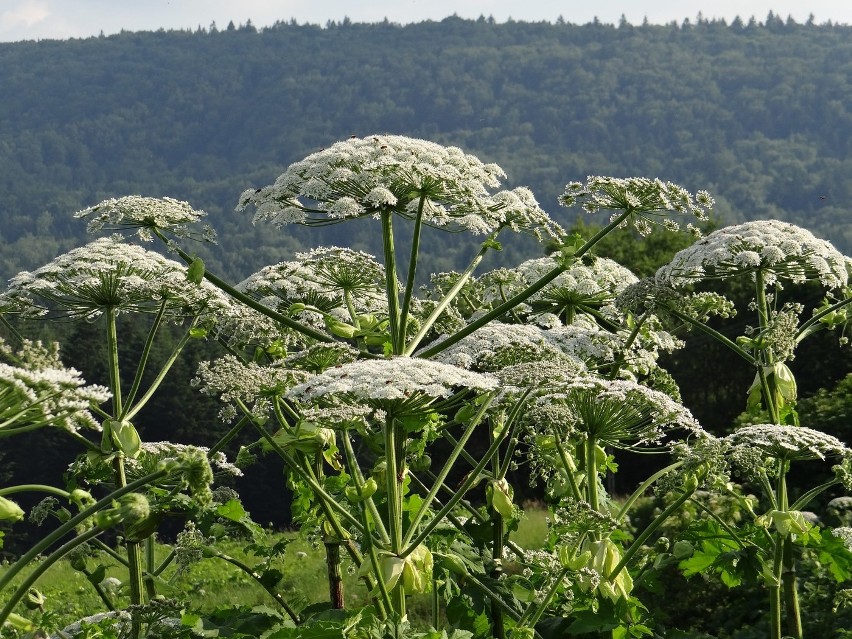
[(60, 19)]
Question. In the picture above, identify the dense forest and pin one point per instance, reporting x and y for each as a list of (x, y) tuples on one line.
[(758, 113)]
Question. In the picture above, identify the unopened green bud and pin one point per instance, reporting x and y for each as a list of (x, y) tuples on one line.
[(338, 328), (10, 511), (367, 490), (662, 544), (499, 495), (683, 550), (129, 509)]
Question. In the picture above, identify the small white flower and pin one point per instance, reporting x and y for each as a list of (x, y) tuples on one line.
[(145, 214), (781, 251), (787, 442)]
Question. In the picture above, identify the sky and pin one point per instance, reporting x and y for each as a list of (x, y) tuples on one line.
[(62, 19)]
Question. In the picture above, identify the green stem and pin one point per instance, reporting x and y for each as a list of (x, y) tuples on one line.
[(212, 552), (227, 437), (469, 481), (411, 275), (131, 413), (535, 611), (304, 472), (524, 295), (391, 282), (147, 577), (714, 334), (49, 540), (41, 567), (775, 592), (498, 533), (358, 479), (791, 594), (652, 527), (247, 300), (622, 512), (805, 499), (442, 475), (394, 476), (722, 524), (112, 362), (570, 469), (450, 295), (146, 353), (591, 463), (41, 488)]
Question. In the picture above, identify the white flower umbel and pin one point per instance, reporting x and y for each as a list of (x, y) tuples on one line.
[(844, 534), (592, 284), (615, 413), (248, 384), (365, 176), (779, 250), (648, 201), (325, 278), (787, 442), (39, 391), (110, 274), (496, 345), (398, 386), (144, 215)]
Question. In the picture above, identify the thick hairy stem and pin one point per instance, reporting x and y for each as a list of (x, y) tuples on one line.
[(394, 476), (245, 299), (791, 594), (411, 276), (391, 282), (450, 295)]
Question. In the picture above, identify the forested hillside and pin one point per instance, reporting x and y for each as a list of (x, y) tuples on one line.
[(757, 113)]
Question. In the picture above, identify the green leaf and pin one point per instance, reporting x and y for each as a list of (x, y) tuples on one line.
[(232, 510)]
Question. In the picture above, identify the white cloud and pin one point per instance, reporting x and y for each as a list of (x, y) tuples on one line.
[(24, 15)]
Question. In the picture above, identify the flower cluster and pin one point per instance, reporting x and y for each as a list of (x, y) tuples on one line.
[(618, 413), (497, 345), (390, 384), (787, 442), (244, 384), (37, 390), (145, 215), (110, 274), (779, 250), (365, 176), (645, 200)]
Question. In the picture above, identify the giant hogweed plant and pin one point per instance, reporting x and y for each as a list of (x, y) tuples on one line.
[(359, 382)]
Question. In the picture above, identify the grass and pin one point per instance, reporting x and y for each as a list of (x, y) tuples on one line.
[(213, 583)]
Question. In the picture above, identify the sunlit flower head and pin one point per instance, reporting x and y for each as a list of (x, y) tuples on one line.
[(395, 385), (365, 176), (591, 285), (497, 345), (324, 279), (36, 390), (144, 215), (779, 250), (787, 442), (110, 274), (238, 383), (618, 413), (648, 201)]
